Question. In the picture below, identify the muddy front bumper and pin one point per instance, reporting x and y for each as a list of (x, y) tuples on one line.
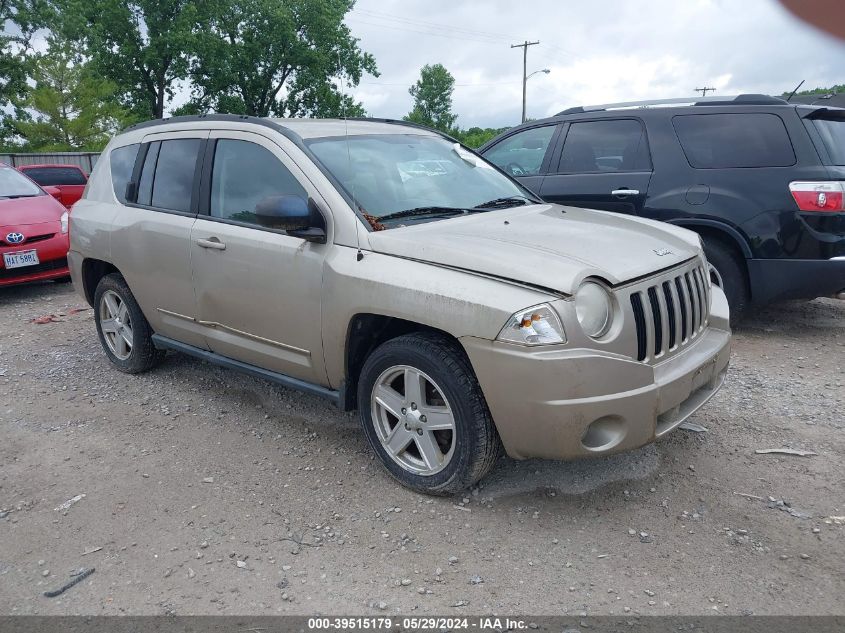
[(570, 403)]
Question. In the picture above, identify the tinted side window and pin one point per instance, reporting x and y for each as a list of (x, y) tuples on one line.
[(122, 162), (522, 154), (244, 174), (175, 166), (605, 146), (720, 141), (51, 176), (145, 186)]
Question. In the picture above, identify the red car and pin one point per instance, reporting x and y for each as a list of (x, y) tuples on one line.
[(33, 231), (70, 180)]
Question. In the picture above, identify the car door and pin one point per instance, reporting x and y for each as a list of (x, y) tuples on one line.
[(603, 164), (258, 290), (524, 154), (151, 231)]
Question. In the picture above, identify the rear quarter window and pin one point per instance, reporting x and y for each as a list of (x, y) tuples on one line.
[(122, 161), (724, 141), (832, 132)]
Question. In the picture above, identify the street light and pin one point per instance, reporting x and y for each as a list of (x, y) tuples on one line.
[(545, 71)]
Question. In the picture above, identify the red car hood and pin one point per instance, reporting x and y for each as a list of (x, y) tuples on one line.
[(15, 212)]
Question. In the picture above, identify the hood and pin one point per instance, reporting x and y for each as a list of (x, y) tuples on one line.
[(17, 212), (545, 245)]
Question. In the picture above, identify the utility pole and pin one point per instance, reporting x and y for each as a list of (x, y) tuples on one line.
[(705, 90), (524, 46)]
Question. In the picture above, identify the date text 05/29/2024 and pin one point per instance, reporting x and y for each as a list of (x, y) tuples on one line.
[(433, 623)]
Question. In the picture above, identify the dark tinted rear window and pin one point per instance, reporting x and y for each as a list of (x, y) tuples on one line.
[(720, 141), (52, 176), (122, 161), (832, 132), (173, 164)]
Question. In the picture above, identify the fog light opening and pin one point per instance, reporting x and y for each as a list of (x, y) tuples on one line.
[(604, 433)]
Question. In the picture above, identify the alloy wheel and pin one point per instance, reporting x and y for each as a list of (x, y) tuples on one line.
[(116, 324), (413, 420)]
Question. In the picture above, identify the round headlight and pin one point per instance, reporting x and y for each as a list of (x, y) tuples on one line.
[(594, 309)]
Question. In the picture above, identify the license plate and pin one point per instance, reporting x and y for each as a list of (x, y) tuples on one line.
[(20, 259)]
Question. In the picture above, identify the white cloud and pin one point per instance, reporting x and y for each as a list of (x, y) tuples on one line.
[(598, 51)]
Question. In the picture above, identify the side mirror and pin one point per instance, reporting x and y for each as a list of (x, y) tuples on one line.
[(55, 192), (290, 213)]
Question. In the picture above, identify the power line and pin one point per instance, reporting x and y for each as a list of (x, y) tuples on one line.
[(453, 36), (470, 85), (425, 23)]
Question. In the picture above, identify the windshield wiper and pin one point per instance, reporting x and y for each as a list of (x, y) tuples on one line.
[(20, 195), (504, 203), (422, 211)]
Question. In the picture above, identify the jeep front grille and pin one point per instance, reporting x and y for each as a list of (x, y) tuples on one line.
[(670, 311)]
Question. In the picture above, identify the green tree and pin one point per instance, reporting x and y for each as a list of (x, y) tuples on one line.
[(73, 108), (433, 98), (475, 137), (263, 57), (832, 90), (20, 20), (142, 46)]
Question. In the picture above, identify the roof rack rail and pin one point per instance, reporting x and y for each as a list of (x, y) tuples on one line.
[(743, 99), (402, 122)]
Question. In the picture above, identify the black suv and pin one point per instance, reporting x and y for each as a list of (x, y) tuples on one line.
[(761, 181)]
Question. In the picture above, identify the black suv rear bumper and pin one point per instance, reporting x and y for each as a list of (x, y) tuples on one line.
[(784, 279)]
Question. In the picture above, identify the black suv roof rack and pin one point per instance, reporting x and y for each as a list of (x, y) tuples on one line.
[(743, 99)]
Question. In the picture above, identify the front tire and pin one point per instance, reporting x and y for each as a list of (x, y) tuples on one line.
[(124, 332), (424, 415), (729, 276)]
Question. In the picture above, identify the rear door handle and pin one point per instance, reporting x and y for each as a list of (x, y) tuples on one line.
[(625, 192), (213, 243)]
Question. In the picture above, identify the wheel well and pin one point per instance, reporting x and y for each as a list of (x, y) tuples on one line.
[(366, 332), (92, 271), (729, 242)]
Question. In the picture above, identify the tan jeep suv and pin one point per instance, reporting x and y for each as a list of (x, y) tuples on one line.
[(388, 268)]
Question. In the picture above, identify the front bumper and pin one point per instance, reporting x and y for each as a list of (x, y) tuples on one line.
[(570, 403), (52, 254)]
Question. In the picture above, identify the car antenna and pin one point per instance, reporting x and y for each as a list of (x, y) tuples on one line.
[(792, 94), (360, 255)]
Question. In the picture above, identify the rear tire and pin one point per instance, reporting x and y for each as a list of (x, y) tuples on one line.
[(449, 393), (124, 332), (731, 276)]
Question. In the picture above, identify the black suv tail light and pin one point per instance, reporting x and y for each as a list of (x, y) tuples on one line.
[(819, 196)]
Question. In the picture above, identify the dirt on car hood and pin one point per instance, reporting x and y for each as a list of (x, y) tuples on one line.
[(544, 245)]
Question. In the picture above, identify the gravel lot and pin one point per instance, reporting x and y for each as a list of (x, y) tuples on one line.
[(209, 492)]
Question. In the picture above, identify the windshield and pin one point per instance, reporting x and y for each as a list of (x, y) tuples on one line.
[(15, 185), (423, 176), (832, 132)]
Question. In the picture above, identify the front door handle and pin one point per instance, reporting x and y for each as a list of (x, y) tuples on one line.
[(625, 192), (213, 243)]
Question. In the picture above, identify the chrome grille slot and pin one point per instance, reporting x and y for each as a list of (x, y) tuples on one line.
[(670, 311)]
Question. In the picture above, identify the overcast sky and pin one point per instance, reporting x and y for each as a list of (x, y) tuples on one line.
[(598, 51)]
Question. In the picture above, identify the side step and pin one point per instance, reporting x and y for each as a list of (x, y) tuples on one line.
[(162, 342)]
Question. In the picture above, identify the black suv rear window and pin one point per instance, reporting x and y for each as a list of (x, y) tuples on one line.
[(51, 176), (724, 141), (832, 132)]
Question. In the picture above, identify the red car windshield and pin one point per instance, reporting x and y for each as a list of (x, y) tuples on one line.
[(16, 185)]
